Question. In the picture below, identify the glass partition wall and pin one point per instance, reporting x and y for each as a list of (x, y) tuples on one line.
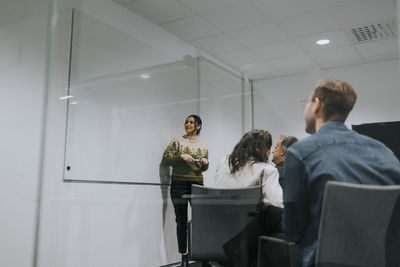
[(127, 99), (120, 90)]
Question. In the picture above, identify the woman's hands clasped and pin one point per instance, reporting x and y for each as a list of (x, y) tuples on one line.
[(204, 161), (189, 158)]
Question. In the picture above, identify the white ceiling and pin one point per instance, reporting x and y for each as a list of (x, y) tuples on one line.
[(12, 10), (267, 38)]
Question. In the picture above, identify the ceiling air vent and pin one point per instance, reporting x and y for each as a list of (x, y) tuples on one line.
[(373, 32)]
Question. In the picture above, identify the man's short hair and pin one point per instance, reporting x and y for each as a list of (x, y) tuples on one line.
[(338, 98), (287, 141)]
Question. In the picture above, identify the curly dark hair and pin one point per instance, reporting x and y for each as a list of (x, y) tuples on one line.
[(252, 147)]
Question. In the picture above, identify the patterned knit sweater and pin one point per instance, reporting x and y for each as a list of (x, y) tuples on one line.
[(182, 170)]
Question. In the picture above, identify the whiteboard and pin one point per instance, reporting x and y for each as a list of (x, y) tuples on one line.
[(119, 127), (119, 121)]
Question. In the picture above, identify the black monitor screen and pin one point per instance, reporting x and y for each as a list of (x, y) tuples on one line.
[(386, 132)]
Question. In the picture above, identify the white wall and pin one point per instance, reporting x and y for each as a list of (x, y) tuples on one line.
[(277, 101), (22, 81)]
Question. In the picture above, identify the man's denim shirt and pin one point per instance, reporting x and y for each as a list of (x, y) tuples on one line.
[(334, 153)]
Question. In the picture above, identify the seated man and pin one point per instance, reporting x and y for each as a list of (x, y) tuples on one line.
[(278, 155), (332, 152)]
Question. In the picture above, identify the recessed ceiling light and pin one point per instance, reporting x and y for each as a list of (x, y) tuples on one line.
[(144, 76), (323, 42), (66, 97)]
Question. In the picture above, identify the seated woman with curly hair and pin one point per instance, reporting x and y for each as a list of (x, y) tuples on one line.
[(248, 165)]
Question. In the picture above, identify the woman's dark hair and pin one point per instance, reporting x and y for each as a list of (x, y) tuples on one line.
[(197, 122), (252, 147)]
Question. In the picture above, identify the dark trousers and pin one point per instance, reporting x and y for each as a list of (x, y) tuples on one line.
[(178, 189), (242, 249)]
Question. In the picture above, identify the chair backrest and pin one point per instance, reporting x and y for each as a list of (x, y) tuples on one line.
[(360, 226), (275, 252), (217, 216)]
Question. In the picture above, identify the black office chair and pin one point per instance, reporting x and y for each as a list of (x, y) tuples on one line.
[(275, 252), (360, 227), (217, 216)]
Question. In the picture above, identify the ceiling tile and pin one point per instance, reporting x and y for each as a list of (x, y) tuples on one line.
[(321, 21), (268, 75), (191, 28), (159, 11), (122, 2), (276, 50), (239, 57), (216, 44), (258, 35), (270, 37), (335, 3), (342, 63), (365, 12), (303, 62), (278, 9), (338, 38), (246, 68), (281, 9), (258, 67), (378, 47), (207, 5), (382, 57), (235, 17), (335, 55)]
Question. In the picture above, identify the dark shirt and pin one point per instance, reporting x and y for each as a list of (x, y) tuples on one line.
[(280, 166), (334, 153)]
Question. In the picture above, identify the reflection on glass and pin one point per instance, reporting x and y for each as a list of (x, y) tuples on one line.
[(122, 123)]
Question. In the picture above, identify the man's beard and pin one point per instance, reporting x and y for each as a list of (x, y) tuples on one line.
[(310, 125)]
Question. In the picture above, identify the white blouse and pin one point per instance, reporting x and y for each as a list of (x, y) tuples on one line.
[(249, 175)]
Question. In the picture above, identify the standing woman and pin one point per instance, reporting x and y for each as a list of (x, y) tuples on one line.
[(188, 156)]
